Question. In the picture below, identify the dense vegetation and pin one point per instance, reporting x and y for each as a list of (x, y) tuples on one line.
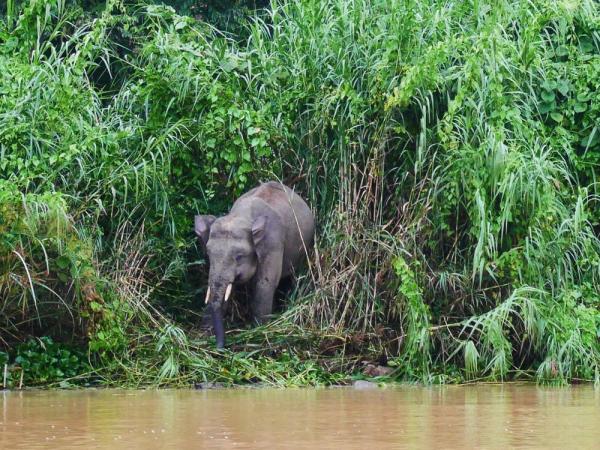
[(449, 149)]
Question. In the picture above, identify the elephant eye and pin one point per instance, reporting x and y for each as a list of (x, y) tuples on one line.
[(239, 257)]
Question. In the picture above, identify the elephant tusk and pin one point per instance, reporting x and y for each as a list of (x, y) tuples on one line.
[(207, 295), (228, 291)]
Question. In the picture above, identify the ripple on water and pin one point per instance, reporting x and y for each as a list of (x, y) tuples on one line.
[(484, 416)]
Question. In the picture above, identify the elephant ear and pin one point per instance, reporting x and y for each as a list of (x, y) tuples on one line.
[(202, 226), (266, 234)]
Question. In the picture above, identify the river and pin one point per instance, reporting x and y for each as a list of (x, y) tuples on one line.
[(480, 416)]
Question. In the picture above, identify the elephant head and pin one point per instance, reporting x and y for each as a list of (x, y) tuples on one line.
[(232, 244)]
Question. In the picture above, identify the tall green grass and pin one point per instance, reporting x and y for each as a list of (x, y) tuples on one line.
[(450, 152)]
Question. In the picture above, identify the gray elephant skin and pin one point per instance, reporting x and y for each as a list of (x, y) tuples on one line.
[(266, 234)]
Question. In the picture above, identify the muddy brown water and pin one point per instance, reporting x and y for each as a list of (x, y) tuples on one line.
[(484, 416)]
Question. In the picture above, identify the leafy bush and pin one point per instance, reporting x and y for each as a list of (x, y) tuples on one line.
[(43, 361), (46, 269)]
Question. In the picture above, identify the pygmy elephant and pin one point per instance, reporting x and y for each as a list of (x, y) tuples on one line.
[(265, 235)]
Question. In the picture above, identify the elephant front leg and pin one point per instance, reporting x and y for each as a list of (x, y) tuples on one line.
[(262, 304), (265, 282)]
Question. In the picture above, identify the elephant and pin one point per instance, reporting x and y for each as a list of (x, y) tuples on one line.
[(262, 239)]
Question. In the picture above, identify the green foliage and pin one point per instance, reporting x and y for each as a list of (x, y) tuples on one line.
[(46, 268), (573, 334), (450, 151), (415, 359), (568, 95), (43, 361), (229, 16), (203, 85), (109, 332)]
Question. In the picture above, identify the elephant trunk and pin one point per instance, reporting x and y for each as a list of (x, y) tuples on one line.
[(216, 311), (216, 296)]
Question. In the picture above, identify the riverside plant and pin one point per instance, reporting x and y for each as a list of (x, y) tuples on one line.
[(450, 151)]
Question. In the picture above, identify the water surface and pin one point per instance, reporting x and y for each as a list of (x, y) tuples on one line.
[(496, 416)]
